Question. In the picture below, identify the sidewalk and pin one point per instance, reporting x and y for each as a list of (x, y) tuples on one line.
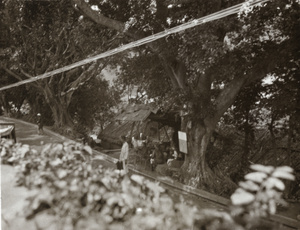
[(13, 197)]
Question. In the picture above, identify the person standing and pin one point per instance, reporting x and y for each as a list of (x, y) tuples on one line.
[(124, 153), (40, 124)]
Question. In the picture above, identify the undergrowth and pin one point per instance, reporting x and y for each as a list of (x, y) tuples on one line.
[(67, 186)]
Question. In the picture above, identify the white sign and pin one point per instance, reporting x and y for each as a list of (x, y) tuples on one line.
[(182, 142)]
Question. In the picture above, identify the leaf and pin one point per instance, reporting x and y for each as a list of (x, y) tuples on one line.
[(152, 221), (272, 206), (88, 149), (155, 187), (287, 169), (90, 198), (166, 205), (249, 185), (74, 188), (23, 150), (256, 176), (187, 213), (11, 159), (128, 199), (62, 173), (61, 184), (3, 152), (78, 155), (56, 162), (242, 198), (57, 148), (273, 182), (113, 200), (138, 179), (8, 143), (283, 175), (106, 182), (262, 168), (46, 148)]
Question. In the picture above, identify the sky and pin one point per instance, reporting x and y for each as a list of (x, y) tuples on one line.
[(109, 75)]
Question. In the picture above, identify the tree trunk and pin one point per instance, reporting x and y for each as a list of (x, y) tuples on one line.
[(271, 129), (247, 142), (289, 140), (59, 109), (61, 116), (195, 170), (5, 104)]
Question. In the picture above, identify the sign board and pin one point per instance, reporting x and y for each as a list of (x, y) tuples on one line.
[(182, 142)]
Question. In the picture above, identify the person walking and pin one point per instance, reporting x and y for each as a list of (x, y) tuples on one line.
[(40, 124), (124, 153)]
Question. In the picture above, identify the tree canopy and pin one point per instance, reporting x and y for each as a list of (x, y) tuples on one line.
[(203, 70), (47, 35)]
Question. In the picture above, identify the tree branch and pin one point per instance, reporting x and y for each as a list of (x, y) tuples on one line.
[(101, 19), (11, 73), (227, 97), (81, 80), (25, 74), (264, 65), (175, 72)]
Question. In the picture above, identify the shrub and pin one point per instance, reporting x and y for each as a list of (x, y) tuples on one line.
[(83, 197), (259, 195)]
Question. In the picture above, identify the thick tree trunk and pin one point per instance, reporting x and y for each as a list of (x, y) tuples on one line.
[(195, 170), (61, 116), (59, 109)]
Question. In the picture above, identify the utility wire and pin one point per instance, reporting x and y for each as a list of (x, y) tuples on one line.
[(215, 16)]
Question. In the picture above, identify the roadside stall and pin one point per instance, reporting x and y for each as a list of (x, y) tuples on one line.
[(150, 133)]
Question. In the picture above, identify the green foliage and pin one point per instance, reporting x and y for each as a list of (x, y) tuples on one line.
[(45, 36), (151, 80), (93, 102), (259, 195), (68, 185), (9, 151), (219, 52)]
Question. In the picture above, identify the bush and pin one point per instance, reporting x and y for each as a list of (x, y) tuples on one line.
[(68, 187)]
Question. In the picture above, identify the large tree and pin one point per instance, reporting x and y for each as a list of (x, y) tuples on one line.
[(44, 36), (203, 69)]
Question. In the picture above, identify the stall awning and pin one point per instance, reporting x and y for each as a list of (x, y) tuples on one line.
[(136, 112), (5, 131)]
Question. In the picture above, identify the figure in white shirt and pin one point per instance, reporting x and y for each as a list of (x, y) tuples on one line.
[(124, 153)]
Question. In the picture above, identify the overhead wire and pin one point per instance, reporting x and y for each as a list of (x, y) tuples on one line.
[(211, 17)]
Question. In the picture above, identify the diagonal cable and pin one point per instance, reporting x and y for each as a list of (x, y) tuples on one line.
[(215, 16)]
